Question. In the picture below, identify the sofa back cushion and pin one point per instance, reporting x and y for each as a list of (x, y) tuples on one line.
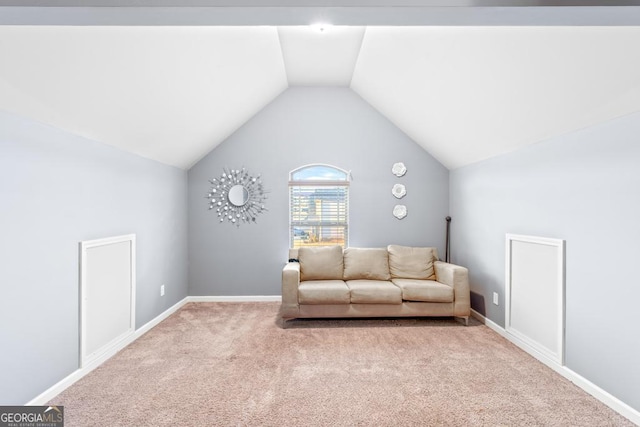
[(366, 263), (407, 262), (320, 262)]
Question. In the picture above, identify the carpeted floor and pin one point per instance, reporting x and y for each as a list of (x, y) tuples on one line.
[(230, 364)]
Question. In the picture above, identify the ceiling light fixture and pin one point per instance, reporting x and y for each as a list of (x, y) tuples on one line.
[(321, 27)]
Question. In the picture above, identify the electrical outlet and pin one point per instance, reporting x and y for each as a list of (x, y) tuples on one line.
[(495, 298), (162, 290)]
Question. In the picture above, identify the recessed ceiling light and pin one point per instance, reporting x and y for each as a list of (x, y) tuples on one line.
[(321, 27)]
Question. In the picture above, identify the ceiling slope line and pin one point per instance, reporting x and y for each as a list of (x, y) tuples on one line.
[(284, 65), (364, 34)]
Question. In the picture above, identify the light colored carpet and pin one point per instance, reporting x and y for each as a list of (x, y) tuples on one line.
[(231, 364)]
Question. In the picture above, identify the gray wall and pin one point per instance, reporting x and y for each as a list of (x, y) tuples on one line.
[(56, 190), (583, 187), (303, 126)]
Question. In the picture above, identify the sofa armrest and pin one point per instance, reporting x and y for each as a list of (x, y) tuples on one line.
[(290, 282), (458, 278)]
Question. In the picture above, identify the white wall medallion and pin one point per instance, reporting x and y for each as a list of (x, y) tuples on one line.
[(399, 169), (237, 196), (399, 191), (399, 211)]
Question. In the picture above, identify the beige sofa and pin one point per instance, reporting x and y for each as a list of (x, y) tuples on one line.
[(397, 281)]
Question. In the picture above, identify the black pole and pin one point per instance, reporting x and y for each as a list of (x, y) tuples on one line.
[(447, 249)]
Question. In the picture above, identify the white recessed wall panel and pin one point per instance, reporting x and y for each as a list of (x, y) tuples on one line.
[(107, 295), (534, 293), (320, 55)]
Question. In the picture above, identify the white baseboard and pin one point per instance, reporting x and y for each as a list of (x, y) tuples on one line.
[(239, 298), (63, 384), (595, 391)]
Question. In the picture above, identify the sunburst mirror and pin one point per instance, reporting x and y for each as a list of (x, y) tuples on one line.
[(237, 196)]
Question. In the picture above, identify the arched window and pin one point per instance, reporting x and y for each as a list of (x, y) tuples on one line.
[(318, 206)]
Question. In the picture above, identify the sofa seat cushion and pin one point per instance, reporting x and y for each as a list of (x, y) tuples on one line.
[(424, 290), (374, 292), (407, 262), (366, 263), (323, 292)]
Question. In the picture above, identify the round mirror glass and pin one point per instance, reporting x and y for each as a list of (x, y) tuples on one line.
[(238, 195)]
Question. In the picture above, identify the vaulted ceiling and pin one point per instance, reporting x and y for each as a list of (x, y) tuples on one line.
[(464, 93)]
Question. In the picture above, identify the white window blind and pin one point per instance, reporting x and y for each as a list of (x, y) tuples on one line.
[(319, 206)]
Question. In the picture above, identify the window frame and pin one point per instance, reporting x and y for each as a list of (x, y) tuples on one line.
[(345, 183)]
